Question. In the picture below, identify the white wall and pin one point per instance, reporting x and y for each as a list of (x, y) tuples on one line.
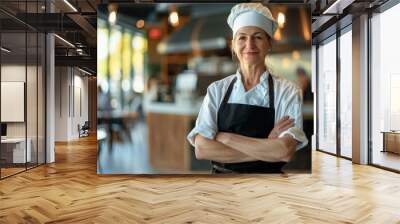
[(71, 94), (62, 81), (12, 73)]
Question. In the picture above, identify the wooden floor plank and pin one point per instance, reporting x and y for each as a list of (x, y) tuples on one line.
[(70, 191)]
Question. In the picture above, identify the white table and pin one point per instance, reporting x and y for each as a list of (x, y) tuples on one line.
[(19, 149)]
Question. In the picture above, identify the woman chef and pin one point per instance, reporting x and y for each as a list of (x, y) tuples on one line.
[(249, 122)]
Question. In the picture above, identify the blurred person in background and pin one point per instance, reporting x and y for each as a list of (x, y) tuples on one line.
[(251, 121), (305, 84), (103, 103)]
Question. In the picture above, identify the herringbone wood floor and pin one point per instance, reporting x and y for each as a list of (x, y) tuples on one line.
[(70, 191)]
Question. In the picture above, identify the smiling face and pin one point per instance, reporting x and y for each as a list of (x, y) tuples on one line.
[(251, 45)]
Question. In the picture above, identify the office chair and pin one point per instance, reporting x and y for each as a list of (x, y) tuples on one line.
[(84, 130)]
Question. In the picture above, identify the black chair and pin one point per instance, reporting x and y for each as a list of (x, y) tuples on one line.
[(84, 130)]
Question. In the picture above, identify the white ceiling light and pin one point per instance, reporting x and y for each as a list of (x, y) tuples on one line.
[(65, 41), (281, 20), (337, 7), (84, 71), (112, 13), (112, 18), (174, 18), (70, 5), (5, 50)]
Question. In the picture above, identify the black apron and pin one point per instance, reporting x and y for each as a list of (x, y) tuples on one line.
[(250, 121)]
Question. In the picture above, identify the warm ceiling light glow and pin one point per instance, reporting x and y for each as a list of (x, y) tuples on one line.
[(65, 41), (278, 35), (5, 50), (70, 5), (296, 55), (173, 18), (305, 24), (140, 24), (281, 20), (112, 17)]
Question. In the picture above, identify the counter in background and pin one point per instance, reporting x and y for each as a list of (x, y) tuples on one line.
[(187, 109), (168, 125)]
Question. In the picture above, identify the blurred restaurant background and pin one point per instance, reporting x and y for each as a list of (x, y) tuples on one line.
[(155, 62)]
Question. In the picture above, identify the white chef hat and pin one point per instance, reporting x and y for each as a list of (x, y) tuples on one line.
[(252, 14)]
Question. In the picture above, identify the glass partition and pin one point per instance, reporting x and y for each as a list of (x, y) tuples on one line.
[(13, 105), (385, 89), (22, 89), (327, 96), (41, 109), (346, 94), (31, 97)]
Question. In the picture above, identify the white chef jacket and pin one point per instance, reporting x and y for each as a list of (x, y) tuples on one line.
[(288, 101)]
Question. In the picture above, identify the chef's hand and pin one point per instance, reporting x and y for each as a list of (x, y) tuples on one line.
[(282, 125)]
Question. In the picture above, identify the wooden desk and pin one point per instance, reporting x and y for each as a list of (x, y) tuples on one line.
[(391, 141)]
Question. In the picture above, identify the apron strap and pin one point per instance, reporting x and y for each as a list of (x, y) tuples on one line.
[(228, 92), (271, 91)]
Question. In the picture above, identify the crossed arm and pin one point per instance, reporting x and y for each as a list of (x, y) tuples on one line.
[(232, 148)]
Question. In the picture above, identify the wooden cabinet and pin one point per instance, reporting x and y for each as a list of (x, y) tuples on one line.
[(391, 142), (168, 148)]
